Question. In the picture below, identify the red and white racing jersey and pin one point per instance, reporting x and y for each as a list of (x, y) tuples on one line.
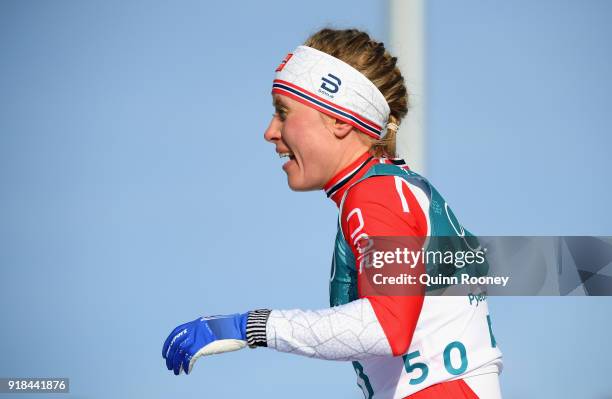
[(401, 346)]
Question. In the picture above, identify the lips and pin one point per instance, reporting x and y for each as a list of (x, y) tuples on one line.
[(286, 155)]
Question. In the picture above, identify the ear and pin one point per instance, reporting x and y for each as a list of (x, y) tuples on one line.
[(340, 128)]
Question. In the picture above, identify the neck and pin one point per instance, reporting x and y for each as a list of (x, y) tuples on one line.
[(349, 154), (354, 166)]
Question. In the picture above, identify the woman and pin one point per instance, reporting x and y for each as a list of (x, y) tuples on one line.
[(339, 100)]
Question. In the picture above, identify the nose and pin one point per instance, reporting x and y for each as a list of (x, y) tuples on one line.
[(273, 132)]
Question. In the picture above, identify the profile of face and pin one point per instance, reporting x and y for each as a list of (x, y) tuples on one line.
[(309, 140)]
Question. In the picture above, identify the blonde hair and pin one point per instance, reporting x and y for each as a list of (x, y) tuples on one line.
[(369, 57)]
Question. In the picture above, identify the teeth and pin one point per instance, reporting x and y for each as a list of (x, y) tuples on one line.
[(284, 154)]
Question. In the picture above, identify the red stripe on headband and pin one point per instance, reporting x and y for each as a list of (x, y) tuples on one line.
[(348, 111), (278, 90)]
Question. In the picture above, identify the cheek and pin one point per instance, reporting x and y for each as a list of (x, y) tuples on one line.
[(306, 135), (295, 130), (310, 141), (309, 148)]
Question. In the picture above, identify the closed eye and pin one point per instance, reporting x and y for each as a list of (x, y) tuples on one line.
[(282, 115)]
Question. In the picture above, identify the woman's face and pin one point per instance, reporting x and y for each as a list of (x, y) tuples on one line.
[(302, 136)]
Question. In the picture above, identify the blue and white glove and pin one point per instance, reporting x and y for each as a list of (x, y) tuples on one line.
[(211, 335)]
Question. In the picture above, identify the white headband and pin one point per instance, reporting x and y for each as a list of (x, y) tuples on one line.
[(333, 87)]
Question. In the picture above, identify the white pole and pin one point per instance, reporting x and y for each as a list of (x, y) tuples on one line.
[(407, 35)]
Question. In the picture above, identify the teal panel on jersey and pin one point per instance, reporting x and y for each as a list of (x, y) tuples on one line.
[(363, 381), (446, 234), (343, 279)]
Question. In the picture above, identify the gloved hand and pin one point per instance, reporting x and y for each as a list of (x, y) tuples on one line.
[(204, 336)]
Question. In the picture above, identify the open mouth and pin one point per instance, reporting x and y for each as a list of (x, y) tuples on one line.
[(291, 159), (286, 155)]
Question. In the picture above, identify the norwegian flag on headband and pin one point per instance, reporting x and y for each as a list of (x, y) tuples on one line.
[(283, 62)]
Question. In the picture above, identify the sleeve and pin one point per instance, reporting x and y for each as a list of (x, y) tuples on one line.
[(371, 325), (346, 332), (388, 206)]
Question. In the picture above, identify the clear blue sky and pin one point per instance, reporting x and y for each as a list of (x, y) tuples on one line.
[(137, 191)]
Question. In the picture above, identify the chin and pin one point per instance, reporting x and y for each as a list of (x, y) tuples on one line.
[(298, 185)]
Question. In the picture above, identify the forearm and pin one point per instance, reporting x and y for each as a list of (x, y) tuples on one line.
[(347, 332)]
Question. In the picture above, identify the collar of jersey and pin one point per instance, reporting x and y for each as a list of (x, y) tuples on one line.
[(338, 184)]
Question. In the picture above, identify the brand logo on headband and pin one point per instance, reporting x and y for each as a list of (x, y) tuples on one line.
[(284, 62), (330, 86)]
